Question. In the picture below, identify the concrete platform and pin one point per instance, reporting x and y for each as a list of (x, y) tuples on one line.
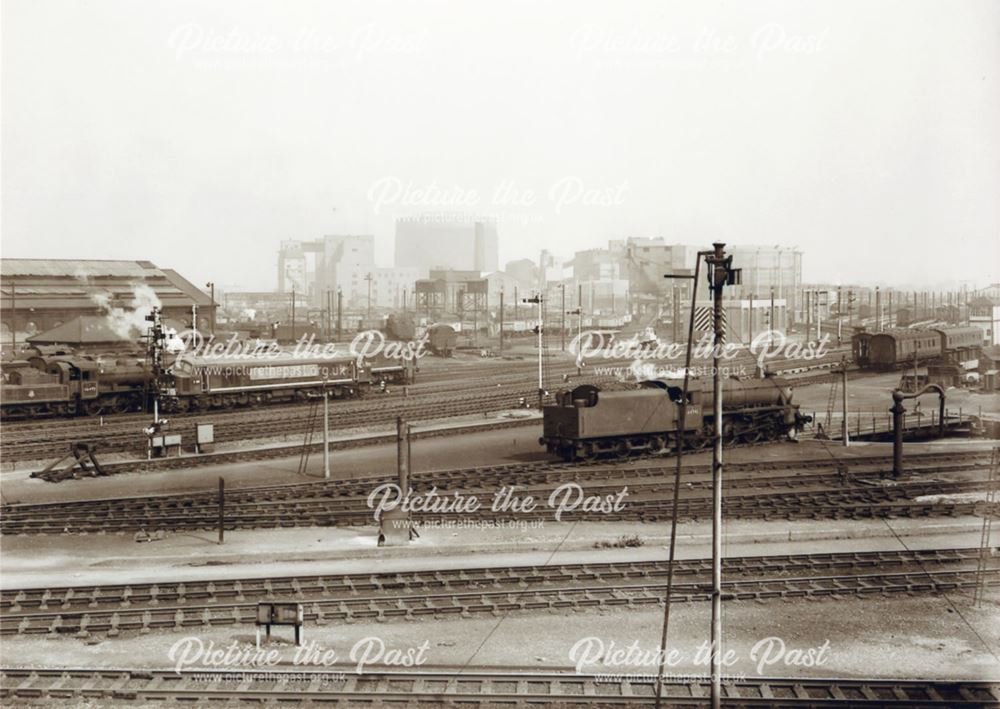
[(30, 562)]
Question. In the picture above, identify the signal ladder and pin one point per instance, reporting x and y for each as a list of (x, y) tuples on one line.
[(985, 550)]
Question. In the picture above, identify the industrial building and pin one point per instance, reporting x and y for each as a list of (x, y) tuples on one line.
[(984, 312), (344, 262), (628, 276), (37, 295), (447, 241)]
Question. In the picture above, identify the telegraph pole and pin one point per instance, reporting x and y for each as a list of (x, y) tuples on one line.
[(878, 309), (721, 274), (340, 310), (770, 321), (676, 302), (293, 314), (562, 328), (819, 317), (369, 279), (579, 336), (809, 313), (840, 314), (501, 320), (844, 434), (13, 318), (681, 419), (326, 430), (211, 286), (329, 315)]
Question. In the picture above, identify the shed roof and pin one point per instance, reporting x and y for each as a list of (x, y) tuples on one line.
[(77, 268), (82, 330)]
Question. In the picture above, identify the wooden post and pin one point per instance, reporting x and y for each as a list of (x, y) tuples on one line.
[(222, 509), (501, 321), (844, 433), (326, 432)]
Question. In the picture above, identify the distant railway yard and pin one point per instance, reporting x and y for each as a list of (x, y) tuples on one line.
[(452, 355), (536, 572)]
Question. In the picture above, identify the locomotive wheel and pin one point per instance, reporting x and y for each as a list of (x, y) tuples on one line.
[(586, 452), (620, 449), (93, 408), (658, 445), (699, 441)]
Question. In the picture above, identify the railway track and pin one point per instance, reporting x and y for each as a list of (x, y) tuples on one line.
[(474, 687), (166, 605), (265, 423), (762, 474), (824, 504), (796, 492)]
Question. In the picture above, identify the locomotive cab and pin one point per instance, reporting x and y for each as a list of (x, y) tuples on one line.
[(583, 396), (79, 375)]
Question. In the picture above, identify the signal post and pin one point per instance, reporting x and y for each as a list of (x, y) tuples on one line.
[(721, 273)]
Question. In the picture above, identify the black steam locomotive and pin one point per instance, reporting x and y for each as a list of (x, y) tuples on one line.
[(587, 422)]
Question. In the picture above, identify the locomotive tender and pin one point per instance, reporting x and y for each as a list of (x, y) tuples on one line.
[(586, 422)]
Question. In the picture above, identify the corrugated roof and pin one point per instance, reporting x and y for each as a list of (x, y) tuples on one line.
[(76, 268), (187, 287)]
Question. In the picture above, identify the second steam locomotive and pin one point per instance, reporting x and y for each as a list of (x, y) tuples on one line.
[(587, 422)]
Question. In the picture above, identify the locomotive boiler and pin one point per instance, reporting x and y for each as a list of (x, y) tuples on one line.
[(587, 422)]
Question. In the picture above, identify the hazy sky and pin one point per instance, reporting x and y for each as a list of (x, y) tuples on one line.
[(200, 134)]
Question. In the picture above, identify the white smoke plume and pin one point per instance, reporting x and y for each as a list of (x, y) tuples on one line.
[(129, 322)]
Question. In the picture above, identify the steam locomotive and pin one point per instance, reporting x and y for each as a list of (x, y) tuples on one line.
[(587, 422), (66, 384)]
